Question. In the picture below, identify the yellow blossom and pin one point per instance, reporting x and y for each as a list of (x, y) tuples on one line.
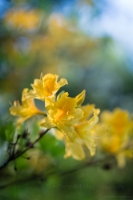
[(72, 121), (36, 156), (23, 19), (75, 149), (63, 114), (83, 131), (118, 121), (118, 129), (24, 111), (45, 88), (83, 135), (88, 111)]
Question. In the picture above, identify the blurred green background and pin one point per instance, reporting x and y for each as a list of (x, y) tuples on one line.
[(77, 40)]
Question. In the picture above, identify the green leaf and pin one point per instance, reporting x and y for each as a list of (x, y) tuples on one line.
[(7, 130), (49, 144)]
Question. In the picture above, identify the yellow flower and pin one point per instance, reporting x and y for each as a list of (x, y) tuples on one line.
[(83, 135), (83, 130), (36, 156), (117, 125), (75, 149), (118, 121), (24, 111), (63, 114), (88, 111), (23, 19), (45, 88)]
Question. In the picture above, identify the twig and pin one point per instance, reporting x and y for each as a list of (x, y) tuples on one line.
[(14, 155)]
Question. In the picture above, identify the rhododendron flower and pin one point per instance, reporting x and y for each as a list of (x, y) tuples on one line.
[(83, 129), (72, 121), (23, 19), (45, 87), (63, 114), (75, 149), (118, 120), (118, 130), (83, 135), (24, 111)]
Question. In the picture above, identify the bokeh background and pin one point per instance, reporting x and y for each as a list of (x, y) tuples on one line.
[(88, 42)]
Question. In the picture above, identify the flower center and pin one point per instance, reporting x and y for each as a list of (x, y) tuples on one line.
[(59, 115)]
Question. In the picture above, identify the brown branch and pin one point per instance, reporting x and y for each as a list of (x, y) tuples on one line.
[(14, 155)]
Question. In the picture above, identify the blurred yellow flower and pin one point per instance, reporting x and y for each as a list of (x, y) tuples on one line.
[(24, 111), (36, 156), (23, 19), (118, 120), (45, 88), (118, 131)]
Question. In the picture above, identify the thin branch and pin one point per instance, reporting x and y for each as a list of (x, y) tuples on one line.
[(14, 155), (30, 145)]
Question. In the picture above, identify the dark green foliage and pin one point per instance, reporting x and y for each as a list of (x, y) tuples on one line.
[(7, 129)]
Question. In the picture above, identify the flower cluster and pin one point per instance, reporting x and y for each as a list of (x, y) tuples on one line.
[(22, 19), (71, 121), (117, 139)]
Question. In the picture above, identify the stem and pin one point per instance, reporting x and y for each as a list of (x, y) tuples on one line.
[(30, 145), (18, 154)]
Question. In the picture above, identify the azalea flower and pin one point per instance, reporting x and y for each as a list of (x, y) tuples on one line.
[(73, 122), (45, 88), (118, 120), (83, 135), (23, 19), (63, 114), (83, 129), (118, 126), (26, 110), (75, 149)]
